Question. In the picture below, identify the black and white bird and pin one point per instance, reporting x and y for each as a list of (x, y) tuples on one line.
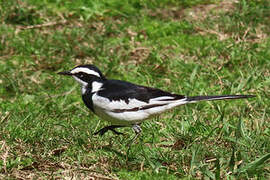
[(126, 104)]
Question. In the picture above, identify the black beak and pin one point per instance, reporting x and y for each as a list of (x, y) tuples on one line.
[(67, 73)]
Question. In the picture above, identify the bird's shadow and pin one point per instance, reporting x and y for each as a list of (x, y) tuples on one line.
[(126, 153)]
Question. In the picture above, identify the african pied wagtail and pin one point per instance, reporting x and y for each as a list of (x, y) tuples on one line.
[(126, 104)]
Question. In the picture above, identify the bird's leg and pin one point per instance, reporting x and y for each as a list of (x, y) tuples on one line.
[(116, 132), (137, 129), (107, 128)]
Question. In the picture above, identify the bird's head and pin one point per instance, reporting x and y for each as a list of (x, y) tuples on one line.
[(85, 74)]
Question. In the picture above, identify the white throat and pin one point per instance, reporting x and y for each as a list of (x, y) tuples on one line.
[(96, 86), (83, 89), (83, 84)]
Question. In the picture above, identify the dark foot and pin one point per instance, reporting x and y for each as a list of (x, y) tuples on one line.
[(102, 131), (137, 129)]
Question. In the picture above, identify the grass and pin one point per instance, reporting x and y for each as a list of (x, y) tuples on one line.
[(190, 47)]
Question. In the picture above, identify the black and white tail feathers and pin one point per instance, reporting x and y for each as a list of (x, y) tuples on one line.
[(193, 99)]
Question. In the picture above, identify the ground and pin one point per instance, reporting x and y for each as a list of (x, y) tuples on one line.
[(189, 47)]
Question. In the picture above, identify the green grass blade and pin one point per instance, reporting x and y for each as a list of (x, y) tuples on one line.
[(257, 164)]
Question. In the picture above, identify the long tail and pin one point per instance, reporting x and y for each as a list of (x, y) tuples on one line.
[(193, 99)]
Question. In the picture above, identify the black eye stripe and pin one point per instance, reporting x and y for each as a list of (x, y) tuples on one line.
[(85, 77), (80, 74)]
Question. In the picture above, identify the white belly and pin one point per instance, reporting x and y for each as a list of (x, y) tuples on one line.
[(133, 111), (123, 118)]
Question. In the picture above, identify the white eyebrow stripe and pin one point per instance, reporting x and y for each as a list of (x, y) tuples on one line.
[(85, 70)]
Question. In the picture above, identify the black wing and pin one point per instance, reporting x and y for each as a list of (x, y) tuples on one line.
[(122, 90)]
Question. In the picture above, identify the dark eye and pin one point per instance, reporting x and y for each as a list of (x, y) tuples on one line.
[(81, 75)]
